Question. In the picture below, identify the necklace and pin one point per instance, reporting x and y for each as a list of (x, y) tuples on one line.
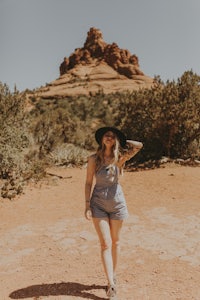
[(107, 159)]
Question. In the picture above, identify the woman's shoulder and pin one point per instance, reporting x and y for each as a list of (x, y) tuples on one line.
[(92, 158), (91, 164)]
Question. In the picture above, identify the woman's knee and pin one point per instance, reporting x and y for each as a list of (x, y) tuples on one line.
[(106, 244), (115, 243)]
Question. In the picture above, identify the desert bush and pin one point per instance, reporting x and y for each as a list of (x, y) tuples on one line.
[(52, 128), (14, 140), (18, 161), (69, 120), (69, 154), (165, 118), (13, 131)]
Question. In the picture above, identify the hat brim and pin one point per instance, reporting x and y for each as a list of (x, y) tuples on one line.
[(101, 131)]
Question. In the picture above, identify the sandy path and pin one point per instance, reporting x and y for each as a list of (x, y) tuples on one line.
[(49, 251)]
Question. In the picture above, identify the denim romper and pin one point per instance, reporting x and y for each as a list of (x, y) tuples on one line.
[(107, 200)]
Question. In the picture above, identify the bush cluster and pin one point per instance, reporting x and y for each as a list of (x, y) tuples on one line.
[(13, 135), (166, 118)]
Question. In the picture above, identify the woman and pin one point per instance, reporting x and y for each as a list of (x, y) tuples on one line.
[(106, 204)]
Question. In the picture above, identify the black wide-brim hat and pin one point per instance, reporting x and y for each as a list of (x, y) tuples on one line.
[(101, 131)]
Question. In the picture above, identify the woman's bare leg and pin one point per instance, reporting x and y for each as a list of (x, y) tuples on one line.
[(102, 227), (115, 227)]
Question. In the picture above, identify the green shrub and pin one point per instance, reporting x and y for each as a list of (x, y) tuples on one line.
[(68, 154), (52, 128), (166, 118), (14, 138)]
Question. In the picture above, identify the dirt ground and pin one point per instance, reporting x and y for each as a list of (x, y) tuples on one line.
[(48, 250)]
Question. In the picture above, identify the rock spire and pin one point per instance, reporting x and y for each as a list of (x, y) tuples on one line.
[(121, 60)]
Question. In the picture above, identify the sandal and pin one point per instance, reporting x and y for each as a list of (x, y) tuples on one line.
[(111, 292)]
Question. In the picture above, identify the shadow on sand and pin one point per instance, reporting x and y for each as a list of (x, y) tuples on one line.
[(58, 289)]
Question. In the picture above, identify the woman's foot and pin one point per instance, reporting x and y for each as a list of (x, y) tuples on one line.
[(111, 292), (115, 279)]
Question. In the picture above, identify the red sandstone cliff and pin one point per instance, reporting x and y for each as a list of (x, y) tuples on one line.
[(97, 66)]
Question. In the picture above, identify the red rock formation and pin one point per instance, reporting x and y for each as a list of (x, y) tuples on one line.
[(94, 47), (95, 43), (64, 66)]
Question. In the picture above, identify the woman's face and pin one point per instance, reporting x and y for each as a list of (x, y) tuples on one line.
[(109, 139)]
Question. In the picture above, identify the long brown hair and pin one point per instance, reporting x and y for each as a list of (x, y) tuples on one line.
[(116, 153)]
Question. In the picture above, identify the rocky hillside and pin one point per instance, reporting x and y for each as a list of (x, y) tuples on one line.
[(97, 66)]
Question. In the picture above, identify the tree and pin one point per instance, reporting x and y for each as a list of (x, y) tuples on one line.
[(166, 118), (13, 130)]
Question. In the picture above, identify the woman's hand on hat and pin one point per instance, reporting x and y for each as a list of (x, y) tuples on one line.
[(130, 150), (133, 144)]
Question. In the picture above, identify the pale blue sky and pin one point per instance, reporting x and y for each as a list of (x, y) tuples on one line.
[(37, 34)]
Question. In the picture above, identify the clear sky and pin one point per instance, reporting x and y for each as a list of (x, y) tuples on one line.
[(37, 34)]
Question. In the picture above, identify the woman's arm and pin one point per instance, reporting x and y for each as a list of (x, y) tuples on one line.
[(88, 185), (132, 148)]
